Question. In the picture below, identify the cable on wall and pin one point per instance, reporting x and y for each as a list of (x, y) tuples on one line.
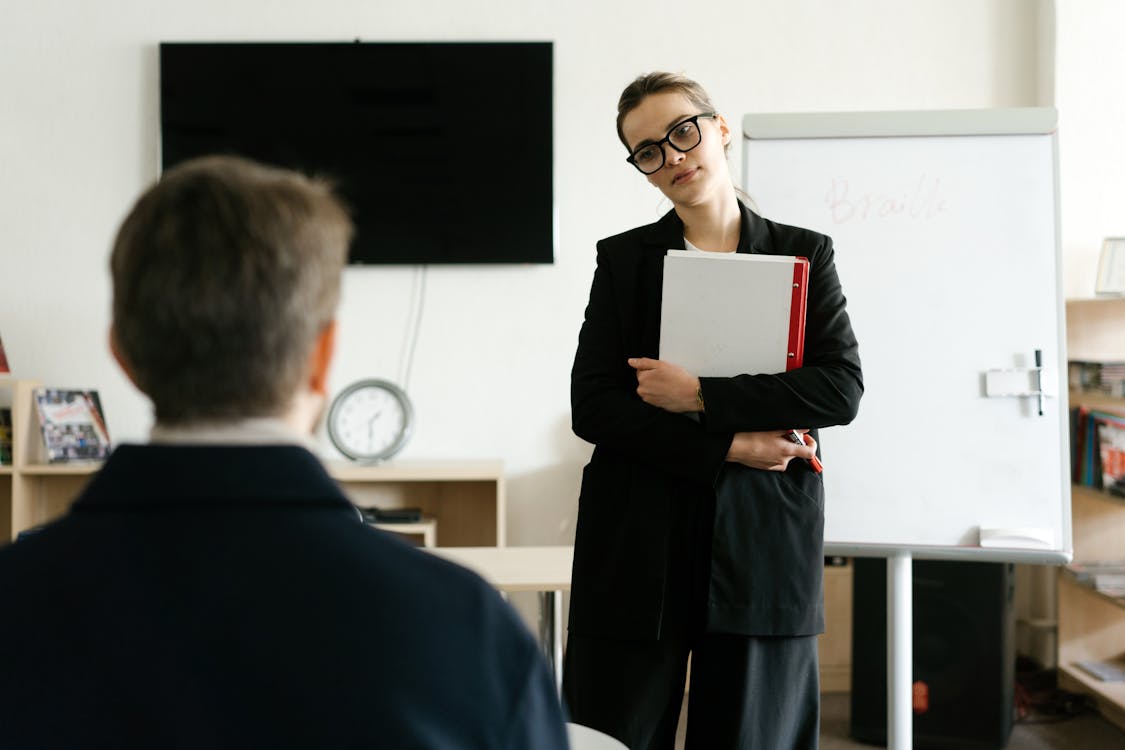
[(410, 341)]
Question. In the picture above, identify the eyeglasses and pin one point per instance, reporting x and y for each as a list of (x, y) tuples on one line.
[(683, 136)]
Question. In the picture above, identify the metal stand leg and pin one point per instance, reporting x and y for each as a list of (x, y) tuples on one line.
[(900, 652), (550, 632)]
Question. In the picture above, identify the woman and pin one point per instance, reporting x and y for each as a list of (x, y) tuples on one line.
[(698, 533)]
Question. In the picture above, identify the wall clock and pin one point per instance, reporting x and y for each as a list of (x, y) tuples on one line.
[(370, 420)]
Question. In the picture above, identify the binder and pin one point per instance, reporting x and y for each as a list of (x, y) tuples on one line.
[(725, 314)]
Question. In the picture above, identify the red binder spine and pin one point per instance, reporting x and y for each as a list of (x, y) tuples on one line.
[(797, 314)]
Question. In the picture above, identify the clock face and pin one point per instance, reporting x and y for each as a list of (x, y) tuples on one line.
[(370, 420)]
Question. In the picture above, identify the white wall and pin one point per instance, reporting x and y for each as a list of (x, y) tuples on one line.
[(1089, 70), (78, 121)]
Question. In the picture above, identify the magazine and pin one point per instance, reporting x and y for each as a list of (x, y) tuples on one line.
[(1111, 448), (73, 425), (1106, 378), (1108, 577), (1112, 670)]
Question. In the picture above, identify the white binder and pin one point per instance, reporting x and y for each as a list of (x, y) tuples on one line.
[(725, 314)]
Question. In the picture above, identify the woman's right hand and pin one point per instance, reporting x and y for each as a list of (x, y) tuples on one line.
[(769, 451)]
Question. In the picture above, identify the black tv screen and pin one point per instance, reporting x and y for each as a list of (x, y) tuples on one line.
[(442, 150)]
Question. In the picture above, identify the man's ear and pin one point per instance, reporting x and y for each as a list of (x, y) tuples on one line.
[(320, 360), (115, 349)]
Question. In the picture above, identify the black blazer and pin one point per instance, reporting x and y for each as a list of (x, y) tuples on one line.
[(231, 597), (648, 465)]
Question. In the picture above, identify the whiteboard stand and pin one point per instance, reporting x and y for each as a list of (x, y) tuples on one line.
[(900, 651), (961, 207)]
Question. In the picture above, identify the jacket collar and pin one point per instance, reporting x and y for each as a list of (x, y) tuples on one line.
[(668, 233), (197, 475)]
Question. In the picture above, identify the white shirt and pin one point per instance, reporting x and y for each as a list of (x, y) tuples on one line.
[(250, 431), (692, 248)]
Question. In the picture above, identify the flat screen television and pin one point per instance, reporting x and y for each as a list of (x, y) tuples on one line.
[(444, 151)]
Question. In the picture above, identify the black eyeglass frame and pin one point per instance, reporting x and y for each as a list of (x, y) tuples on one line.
[(694, 120)]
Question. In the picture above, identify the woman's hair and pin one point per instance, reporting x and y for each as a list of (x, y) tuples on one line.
[(665, 83), (659, 83)]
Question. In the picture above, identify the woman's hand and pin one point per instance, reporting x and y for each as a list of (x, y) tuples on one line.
[(770, 451), (666, 385)]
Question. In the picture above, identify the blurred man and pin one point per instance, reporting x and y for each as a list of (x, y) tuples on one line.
[(214, 588)]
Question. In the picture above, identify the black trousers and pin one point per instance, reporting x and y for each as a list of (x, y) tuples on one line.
[(746, 692)]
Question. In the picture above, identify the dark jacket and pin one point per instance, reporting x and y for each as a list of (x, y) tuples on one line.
[(648, 465), (231, 597)]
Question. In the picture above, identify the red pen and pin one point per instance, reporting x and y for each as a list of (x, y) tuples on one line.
[(799, 439)]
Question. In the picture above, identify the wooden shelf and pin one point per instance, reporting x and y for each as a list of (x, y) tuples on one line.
[(1093, 329), (33, 493), (834, 645), (463, 502), (61, 470), (1099, 401), (1096, 495), (1098, 525), (417, 471), (1116, 601), (1091, 625), (426, 528), (465, 499), (1109, 696), (411, 527)]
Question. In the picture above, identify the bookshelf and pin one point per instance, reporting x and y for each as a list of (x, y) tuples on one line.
[(31, 490), (1117, 601), (834, 645), (463, 502), (1091, 625)]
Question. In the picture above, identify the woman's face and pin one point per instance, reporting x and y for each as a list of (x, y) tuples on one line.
[(687, 179)]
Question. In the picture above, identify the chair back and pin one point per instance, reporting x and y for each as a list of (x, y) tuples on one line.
[(584, 738)]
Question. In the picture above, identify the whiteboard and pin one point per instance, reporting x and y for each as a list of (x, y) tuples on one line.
[(945, 226)]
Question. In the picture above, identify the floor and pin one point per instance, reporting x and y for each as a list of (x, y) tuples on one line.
[(1086, 731)]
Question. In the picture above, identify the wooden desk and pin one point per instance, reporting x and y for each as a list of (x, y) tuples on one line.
[(545, 570), (426, 528)]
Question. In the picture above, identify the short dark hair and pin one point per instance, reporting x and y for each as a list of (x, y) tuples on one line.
[(224, 273)]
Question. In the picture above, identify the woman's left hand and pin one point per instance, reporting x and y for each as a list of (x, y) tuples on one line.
[(666, 385)]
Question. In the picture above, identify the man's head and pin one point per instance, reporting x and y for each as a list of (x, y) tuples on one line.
[(226, 276)]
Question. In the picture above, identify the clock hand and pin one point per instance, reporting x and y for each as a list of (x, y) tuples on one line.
[(371, 425)]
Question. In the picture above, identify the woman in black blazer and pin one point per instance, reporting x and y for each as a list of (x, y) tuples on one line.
[(698, 533)]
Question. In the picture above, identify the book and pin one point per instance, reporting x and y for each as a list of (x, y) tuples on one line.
[(393, 515), (1089, 571), (1105, 378), (726, 314), (1098, 449), (1111, 451), (4, 368), (1105, 577), (5, 436), (1077, 420), (1107, 671), (73, 425)]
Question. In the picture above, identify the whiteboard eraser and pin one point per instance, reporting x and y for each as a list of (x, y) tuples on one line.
[(1017, 537)]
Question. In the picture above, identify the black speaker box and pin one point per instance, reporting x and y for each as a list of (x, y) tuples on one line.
[(964, 654)]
